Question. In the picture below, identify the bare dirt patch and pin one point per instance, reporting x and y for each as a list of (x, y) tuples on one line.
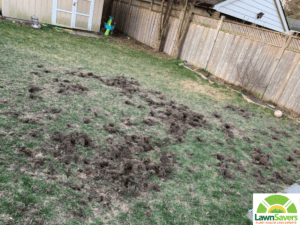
[(193, 86)]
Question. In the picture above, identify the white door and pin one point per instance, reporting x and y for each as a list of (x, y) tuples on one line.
[(73, 13)]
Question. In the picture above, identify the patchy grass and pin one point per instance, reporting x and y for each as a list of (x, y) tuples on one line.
[(215, 165)]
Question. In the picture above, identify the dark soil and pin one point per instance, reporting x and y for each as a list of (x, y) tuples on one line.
[(199, 139), (217, 115), (77, 88), (296, 152), (34, 89), (243, 112), (259, 177), (269, 145), (275, 137), (149, 122), (290, 158), (248, 139), (261, 158), (87, 120), (276, 177), (227, 128)]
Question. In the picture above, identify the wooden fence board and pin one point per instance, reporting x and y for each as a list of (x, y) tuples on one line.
[(215, 55), (188, 42), (279, 74), (149, 35), (141, 25), (229, 57), (147, 22), (236, 73), (257, 70), (176, 25), (201, 45), (154, 31), (224, 52), (292, 82), (293, 101), (195, 43), (169, 37), (243, 66), (237, 46), (260, 88), (134, 21), (209, 46)]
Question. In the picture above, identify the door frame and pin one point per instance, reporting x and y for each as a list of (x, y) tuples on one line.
[(74, 14)]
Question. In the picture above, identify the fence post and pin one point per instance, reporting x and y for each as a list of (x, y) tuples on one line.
[(151, 6), (273, 69), (215, 38)]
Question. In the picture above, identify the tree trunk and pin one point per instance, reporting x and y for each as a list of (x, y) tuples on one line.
[(182, 28), (157, 44), (165, 24)]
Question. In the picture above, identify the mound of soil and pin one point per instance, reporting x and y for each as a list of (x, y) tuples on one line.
[(128, 87), (248, 139), (290, 158), (149, 122), (111, 128), (117, 164), (296, 152), (261, 158), (259, 177), (228, 129), (278, 177), (217, 115), (77, 88), (269, 145), (34, 89), (242, 111)]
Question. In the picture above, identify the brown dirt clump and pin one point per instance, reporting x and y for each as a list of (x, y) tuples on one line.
[(228, 129), (269, 145), (87, 120), (111, 128), (261, 158), (40, 66), (273, 129), (290, 158), (296, 152), (77, 88), (54, 110), (276, 177), (259, 177), (199, 139), (264, 132), (248, 139), (243, 112), (34, 89), (275, 137), (217, 115), (128, 87), (149, 122), (35, 73)]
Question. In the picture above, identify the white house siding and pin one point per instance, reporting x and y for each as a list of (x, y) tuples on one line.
[(248, 9), (24, 9)]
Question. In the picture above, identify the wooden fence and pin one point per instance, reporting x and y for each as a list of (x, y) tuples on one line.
[(265, 61)]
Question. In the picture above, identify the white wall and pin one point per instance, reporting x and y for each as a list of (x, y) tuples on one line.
[(248, 9)]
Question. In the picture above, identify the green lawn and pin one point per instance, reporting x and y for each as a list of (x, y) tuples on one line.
[(36, 186)]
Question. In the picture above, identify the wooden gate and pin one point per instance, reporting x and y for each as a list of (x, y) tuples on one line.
[(73, 13)]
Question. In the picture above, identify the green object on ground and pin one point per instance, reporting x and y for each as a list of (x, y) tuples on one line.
[(109, 24)]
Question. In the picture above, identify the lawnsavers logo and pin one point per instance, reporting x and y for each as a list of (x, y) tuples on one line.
[(276, 209)]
